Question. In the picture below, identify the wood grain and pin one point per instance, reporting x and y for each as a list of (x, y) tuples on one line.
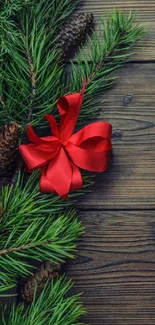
[(130, 108), (145, 16), (116, 267)]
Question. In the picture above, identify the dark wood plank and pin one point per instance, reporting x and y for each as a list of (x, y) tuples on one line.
[(115, 268), (145, 16), (130, 108)]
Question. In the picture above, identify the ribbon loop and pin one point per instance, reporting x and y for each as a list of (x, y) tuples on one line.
[(63, 153), (69, 108), (53, 124)]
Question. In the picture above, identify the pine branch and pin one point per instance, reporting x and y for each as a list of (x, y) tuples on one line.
[(54, 306), (25, 198), (46, 238), (31, 91), (8, 9), (35, 51), (37, 281), (32, 228), (22, 101), (57, 9), (120, 36), (33, 79), (24, 202)]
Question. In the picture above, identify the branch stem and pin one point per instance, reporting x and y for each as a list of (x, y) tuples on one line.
[(33, 92), (2, 101), (106, 59), (32, 76), (19, 248)]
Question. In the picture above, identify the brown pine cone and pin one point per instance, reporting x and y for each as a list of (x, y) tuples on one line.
[(37, 281), (9, 137), (74, 31)]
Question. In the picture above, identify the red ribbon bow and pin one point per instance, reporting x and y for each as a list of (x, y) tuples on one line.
[(63, 153)]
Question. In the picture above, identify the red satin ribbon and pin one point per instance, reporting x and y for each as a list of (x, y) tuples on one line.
[(62, 154)]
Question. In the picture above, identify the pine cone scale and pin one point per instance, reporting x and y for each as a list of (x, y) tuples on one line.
[(37, 281), (74, 31), (9, 137)]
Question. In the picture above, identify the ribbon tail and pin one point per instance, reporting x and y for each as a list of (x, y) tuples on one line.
[(76, 179), (57, 176)]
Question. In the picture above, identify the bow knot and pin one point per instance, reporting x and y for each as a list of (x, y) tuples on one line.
[(61, 154), (63, 142)]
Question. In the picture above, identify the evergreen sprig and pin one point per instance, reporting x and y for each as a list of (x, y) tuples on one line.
[(8, 9), (53, 307), (53, 13), (32, 229), (47, 238), (25, 196), (30, 92), (118, 37)]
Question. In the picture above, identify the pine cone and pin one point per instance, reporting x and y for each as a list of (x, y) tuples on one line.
[(74, 31), (9, 135), (45, 271)]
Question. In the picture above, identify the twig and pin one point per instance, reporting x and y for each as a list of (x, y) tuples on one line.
[(13, 249), (19, 248), (33, 92), (105, 60), (33, 79), (2, 101)]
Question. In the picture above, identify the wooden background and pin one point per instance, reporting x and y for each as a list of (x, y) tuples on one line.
[(116, 264)]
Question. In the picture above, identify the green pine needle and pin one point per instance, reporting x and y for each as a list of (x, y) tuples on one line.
[(53, 307), (32, 228), (4, 287), (30, 92), (24, 198), (117, 40)]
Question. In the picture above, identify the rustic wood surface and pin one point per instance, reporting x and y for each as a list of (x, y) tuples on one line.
[(115, 268)]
